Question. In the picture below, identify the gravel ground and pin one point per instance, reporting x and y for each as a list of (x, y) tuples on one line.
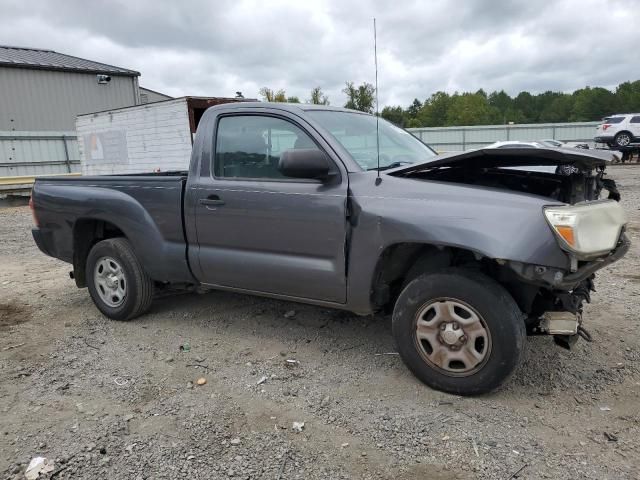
[(120, 400)]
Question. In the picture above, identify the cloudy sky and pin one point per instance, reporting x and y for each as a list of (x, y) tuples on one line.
[(213, 48)]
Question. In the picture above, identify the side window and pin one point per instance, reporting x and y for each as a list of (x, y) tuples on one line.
[(635, 119), (250, 146), (615, 120)]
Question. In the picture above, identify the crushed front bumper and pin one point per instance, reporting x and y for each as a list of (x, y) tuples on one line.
[(559, 279)]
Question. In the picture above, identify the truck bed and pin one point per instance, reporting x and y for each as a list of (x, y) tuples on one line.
[(147, 208)]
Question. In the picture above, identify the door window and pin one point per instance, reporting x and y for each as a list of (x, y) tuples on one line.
[(250, 146)]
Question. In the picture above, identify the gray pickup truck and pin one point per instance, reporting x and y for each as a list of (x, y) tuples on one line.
[(470, 252)]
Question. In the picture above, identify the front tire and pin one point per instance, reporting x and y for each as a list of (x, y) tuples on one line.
[(459, 331), (117, 283)]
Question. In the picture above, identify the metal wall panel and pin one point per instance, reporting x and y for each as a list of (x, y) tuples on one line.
[(450, 139), (38, 153), (42, 100)]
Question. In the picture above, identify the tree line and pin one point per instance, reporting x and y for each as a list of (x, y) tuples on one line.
[(480, 108)]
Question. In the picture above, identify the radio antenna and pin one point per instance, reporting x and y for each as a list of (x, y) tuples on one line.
[(375, 58)]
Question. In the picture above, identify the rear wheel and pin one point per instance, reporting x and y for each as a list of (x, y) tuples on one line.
[(459, 331), (117, 283), (622, 139)]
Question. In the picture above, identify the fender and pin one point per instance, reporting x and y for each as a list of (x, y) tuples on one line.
[(494, 224)]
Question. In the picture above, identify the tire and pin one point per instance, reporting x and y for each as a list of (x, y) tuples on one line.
[(486, 327), (622, 139), (117, 283)]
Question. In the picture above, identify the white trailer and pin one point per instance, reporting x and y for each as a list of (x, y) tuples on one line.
[(141, 139)]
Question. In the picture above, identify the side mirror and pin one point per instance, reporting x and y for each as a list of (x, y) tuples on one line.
[(304, 163)]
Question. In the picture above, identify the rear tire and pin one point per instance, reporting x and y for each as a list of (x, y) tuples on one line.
[(622, 139), (117, 283), (459, 331)]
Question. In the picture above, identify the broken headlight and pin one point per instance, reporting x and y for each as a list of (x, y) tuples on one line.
[(587, 229)]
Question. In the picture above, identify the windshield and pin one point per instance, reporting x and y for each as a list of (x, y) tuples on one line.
[(357, 134)]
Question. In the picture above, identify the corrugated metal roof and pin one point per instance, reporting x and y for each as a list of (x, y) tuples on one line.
[(22, 57)]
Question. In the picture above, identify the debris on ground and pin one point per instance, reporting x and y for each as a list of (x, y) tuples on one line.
[(185, 347), (298, 426), (262, 380), (290, 314), (38, 465), (201, 381), (153, 422)]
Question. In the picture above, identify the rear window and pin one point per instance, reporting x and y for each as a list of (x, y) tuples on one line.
[(613, 120), (635, 119)]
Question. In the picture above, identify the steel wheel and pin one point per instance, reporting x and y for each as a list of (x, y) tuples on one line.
[(452, 337), (110, 282)]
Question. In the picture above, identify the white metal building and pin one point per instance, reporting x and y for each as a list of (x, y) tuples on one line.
[(43, 90), (151, 96), (41, 94)]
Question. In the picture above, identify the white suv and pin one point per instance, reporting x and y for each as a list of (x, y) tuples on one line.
[(619, 130)]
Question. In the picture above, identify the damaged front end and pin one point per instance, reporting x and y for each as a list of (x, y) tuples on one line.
[(583, 213), (556, 297)]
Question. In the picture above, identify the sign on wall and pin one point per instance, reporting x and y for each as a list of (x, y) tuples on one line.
[(108, 147)]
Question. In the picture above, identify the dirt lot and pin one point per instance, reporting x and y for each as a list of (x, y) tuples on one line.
[(119, 400)]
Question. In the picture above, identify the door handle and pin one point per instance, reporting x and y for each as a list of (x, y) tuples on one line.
[(212, 200)]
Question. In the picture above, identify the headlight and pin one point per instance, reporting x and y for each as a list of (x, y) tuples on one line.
[(587, 229)]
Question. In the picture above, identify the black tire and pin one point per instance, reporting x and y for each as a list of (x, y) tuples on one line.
[(625, 137), (498, 313), (139, 286)]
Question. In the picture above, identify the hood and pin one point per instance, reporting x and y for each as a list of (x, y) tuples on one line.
[(514, 157)]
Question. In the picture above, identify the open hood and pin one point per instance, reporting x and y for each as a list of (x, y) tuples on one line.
[(514, 157)]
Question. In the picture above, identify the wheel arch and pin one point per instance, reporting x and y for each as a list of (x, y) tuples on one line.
[(86, 233), (400, 263)]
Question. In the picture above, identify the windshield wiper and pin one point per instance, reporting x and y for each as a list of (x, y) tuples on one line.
[(390, 166)]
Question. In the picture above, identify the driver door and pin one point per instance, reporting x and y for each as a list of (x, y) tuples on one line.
[(260, 231)]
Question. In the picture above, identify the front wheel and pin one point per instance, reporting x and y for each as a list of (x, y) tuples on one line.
[(459, 331), (117, 283)]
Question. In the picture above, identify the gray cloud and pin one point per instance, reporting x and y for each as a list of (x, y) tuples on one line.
[(215, 48)]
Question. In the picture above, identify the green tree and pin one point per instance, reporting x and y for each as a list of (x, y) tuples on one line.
[(469, 109), (395, 115), (500, 102), (270, 95), (414, 109), (318, 97), (628, 97), (558, 110), (592, 104), (360, 98), (434, 110), (526, 103), (293, 99)]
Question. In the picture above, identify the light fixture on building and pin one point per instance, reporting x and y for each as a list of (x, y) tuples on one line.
[(103, 79)]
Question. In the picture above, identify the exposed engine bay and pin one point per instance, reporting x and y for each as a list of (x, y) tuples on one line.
[(562, 174), (565, 185)]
